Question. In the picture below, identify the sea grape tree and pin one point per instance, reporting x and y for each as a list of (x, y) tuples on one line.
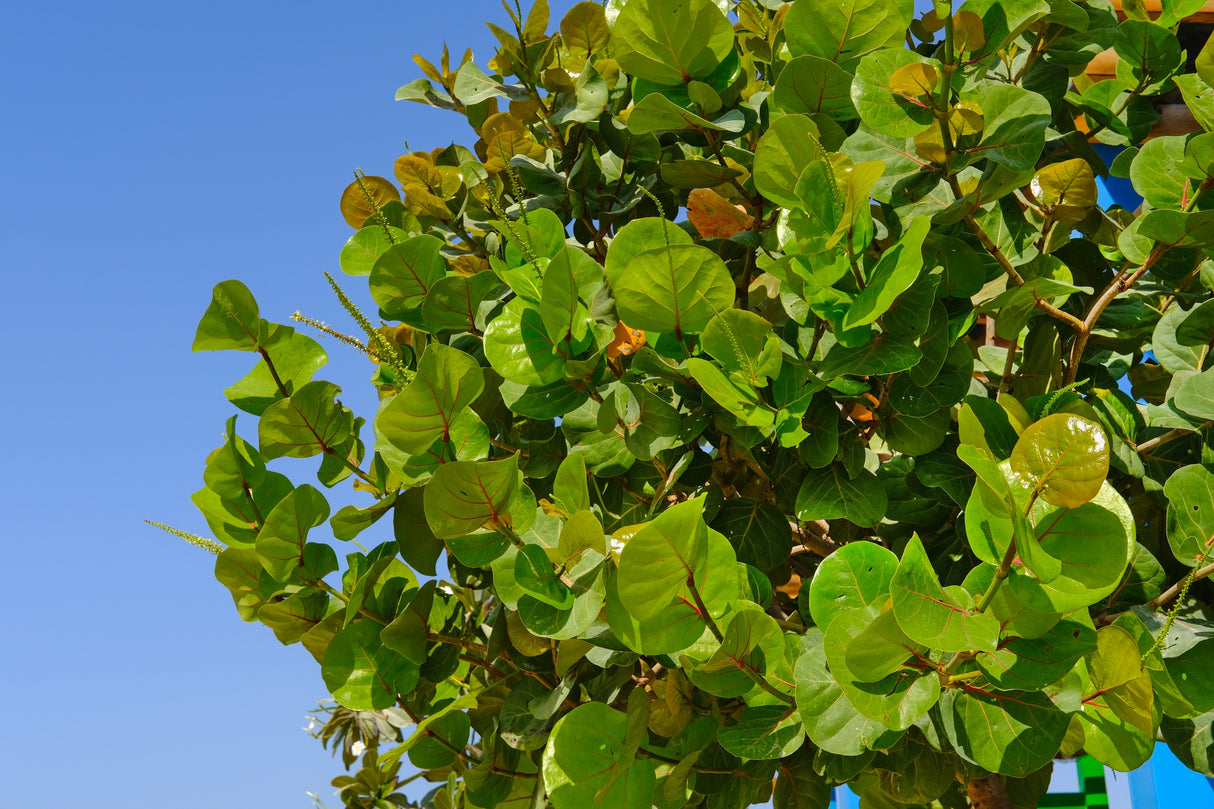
[(767, 402)]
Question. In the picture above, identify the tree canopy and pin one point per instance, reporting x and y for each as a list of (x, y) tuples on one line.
[(767, 402)]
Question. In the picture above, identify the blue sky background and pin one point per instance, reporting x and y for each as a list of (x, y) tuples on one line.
[(149, 150)]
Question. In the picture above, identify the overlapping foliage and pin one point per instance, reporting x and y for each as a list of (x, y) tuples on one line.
[(887, 463)]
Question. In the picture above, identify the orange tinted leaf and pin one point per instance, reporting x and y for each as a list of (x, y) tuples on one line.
[(356, 208), (714, 216), (627, 341)]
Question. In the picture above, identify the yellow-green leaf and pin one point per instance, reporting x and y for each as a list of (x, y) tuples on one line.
[(1064, 457)]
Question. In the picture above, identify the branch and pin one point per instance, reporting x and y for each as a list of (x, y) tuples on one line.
[(814, 537), (1174, 590), (1171, 435), (1016, 278), (1119, 284)]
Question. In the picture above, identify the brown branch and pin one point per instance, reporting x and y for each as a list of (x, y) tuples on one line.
[(1016, 278), (1120, 284), (813, 537)]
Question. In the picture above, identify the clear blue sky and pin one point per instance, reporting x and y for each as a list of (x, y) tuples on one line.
[(149, 150)]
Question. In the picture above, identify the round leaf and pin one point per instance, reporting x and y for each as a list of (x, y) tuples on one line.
[(1064, 457), (854, 577), (671, 41)]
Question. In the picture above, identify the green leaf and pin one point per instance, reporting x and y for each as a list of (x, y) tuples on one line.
[(879, 356), (1172, 354), (674, 289), (1117, 721), (280, 542), (898, 700), (1064, 458), (784, 152), (763, 732), (1154, 172), (1002, 23), (307, 423), (542, 402), (736, 396), (696, 173), (671, 42), (1033, 663), (447, 381), (534, 574), (294, 616), (985, 425), (831, 722), (571, 279), (829, 494), (1195, 396), (452, 301), (518, 346), (1094, 543), (443, 737), (231, 321), (570, 489), (820, 420), (1190, 522), (679, 625), (404, 274), (1198, 95), (798, 785), (1015, 124), (657, 113), (759, 532), (365, 247), (361, 673), (931, 615), (897, 269), (587, 752), (743, 342), (463, 496), (472, 86), (947, 389), (584, 28), (417, 543), (1197, 326), (882, 108), (810, 84), (234, 468), (659, 560), (843, 32), (239, 570), (589, 594), (902, 166), (855, 577), (753, 645), (1007, 732), (1149, 53), (587, 102), (1192, 741), (295, 357), (408, 634), (881, 648)]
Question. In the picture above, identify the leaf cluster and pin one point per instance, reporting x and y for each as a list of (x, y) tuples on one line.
[(768, 402)]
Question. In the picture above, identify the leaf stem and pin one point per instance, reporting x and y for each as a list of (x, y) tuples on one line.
[(755, 676), (702, 609), (1001, 574)]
